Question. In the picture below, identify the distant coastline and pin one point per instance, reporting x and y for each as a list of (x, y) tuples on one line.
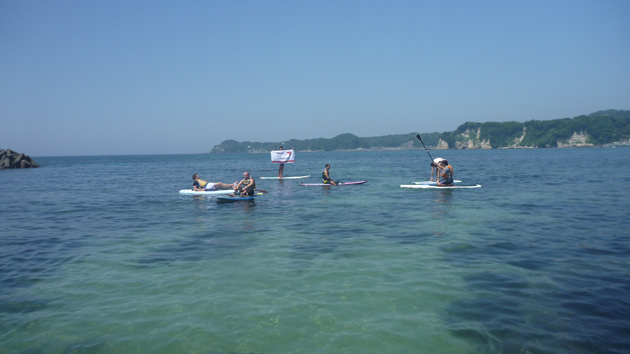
[(609, 128), (604, 146)]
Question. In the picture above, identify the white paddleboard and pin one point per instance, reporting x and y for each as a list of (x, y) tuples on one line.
[(427, 186), (216, 192), (292, 177), (434, 183)]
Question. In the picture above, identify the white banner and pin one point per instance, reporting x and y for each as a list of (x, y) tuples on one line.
[(282, 156)]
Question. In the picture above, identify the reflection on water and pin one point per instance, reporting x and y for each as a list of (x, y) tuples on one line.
[(443, 196)]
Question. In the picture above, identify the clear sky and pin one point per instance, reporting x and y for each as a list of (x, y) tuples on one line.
[(153, 77)]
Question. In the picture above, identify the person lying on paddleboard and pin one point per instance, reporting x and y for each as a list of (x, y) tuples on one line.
[(326, 176), (201, 185), (434, 168), (245, 187), (446, 174)]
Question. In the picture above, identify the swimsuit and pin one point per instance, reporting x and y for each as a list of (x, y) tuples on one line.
[(201, 184)]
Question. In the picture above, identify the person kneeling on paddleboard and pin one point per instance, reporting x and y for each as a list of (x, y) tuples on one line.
[(245, 187), (326, 176), (446, 174), (201, 185)]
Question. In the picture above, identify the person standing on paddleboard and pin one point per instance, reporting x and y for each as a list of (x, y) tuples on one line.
[(326, 176), (280, 165), (446, 174), (201, 185), (246, 187), (434, 168)]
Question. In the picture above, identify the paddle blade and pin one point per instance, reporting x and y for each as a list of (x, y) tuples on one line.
[(419, 138), (262, 191)]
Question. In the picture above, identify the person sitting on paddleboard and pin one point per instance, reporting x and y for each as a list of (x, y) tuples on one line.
[(245, 187), (446, 174), (200, 185), (326, 176), (434, 168)]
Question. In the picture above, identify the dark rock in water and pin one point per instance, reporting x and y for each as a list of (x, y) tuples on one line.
[(12, 159)]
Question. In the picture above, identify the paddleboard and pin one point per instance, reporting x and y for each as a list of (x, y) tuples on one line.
[(223, 200), (292, 177), (434, 183), (215, 192), (328, 184), (427, 186)]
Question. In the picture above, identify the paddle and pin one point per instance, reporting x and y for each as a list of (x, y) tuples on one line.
[(260, 190), (425, 147)]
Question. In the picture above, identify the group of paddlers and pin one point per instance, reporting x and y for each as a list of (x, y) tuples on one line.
[(440, 167)]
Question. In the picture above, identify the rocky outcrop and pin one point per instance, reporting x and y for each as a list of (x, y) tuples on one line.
[(576, 140), (442, 145), (469, 139), (12, 159), (518, 139), (517, 142), (407, 145)]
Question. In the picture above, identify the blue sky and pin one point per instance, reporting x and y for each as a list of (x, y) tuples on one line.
[(154, 77)]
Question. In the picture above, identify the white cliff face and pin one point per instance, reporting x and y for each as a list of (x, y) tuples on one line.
[(474, 144), (442, 145), (519, 139), (471, 139), (576, 140)]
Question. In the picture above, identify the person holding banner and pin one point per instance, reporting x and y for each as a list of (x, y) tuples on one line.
[(282, 156), (280, 165)]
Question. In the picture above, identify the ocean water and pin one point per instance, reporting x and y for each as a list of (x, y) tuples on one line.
[(103, 255)]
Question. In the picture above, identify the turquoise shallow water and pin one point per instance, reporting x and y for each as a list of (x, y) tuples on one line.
[(102, 255)]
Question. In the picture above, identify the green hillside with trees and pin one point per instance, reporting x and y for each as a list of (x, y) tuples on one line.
[(340, 142), (602, 127)]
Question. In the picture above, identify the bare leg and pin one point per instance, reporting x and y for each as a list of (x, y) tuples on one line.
[(219, 185)]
